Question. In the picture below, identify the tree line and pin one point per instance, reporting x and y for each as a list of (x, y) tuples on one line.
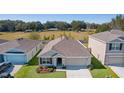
[(116, 23), (75, 25), (18, 25)]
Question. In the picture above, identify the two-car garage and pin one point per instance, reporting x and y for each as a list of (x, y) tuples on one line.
[(15, 58), (78, 61)]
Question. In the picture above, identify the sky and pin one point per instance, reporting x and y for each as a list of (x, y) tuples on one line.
[(91, 18)]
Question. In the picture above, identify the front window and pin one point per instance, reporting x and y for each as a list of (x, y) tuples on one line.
[(46, 60), (115, 46)]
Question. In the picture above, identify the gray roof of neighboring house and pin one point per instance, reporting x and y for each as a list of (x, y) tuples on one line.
[(9, 45), (108, 35), (3, 41), (23, 44), (66, 47), (27, 44)]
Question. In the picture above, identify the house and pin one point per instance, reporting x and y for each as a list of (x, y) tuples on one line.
[(108, 47), (53, 29), (28, 30), (64, 52), (19, 51)]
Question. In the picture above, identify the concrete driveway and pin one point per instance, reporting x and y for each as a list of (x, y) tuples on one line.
[(77, 72), (16, 68), (119, 70), (82, 73)]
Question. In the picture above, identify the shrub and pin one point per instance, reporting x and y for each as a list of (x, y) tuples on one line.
[(51, 69), (91, 67), (46, 37), (34, 36), (63, 67), (53, 37)]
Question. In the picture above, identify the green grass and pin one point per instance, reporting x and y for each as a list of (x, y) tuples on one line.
[(30, 72), (100, 71), (34, 60)]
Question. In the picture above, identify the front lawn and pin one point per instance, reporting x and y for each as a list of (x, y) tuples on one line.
[(100, 71), (30, 72)]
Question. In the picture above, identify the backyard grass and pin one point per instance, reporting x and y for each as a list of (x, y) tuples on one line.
[(29, 71), (100, 71), (75, 35)]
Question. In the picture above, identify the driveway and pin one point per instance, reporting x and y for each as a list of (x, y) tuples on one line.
[(77, 72), (119, 70), (16, 68)]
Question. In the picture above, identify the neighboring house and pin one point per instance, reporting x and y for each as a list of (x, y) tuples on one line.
[(108, 47), (64, 52), (19, 51), (28, 30), (53, 29)]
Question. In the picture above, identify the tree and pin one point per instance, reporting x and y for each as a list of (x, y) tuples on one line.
[(20, 26), (49, 24), (34, 36), (62, 25), (77, 25), (38, 26), (102, 28), (118, 22)]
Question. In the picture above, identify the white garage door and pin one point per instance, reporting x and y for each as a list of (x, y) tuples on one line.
[(116, 60), (77, 61)]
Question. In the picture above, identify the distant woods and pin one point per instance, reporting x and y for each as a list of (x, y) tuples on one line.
[(75, 25), (116, 23), (18, 25)]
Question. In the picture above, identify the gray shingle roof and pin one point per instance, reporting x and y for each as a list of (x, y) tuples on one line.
[(108, 35), (67, 47), (23, 44), (27, 44), (9, 45), (3, 41)]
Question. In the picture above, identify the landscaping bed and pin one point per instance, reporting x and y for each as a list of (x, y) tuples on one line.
[(44, 69), (100, 71)]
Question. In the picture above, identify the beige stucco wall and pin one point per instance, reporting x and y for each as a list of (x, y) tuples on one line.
[(97, 48)]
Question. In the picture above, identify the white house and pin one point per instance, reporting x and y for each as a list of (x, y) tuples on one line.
[(19, 51), (64, 52), (108, 47)]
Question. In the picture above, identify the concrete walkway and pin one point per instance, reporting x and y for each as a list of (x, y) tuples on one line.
[(118, 70), (16, 68), (76, 72)]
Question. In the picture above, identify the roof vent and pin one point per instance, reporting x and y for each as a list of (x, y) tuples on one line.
[(20, 39)]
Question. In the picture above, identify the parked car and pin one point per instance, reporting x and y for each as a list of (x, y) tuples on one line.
[(5, 69)]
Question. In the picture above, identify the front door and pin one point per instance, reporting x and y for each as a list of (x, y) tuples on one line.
[(59, 61)]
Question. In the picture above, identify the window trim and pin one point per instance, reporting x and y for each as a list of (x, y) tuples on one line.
[(114, 46), (46, 61)]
